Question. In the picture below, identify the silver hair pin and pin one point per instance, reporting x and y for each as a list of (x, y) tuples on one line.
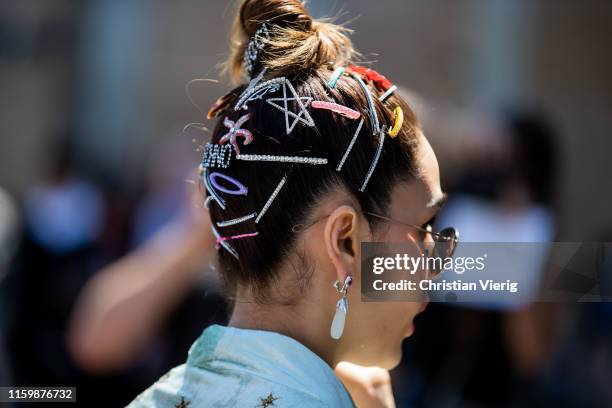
[(236, 220), (350, 146), (371, 107), (381, 141), (281, 159), (257, 91), (271, 199), (302, 101), (226, 245)]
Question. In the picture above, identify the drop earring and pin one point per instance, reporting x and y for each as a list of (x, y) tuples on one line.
[(337, 326)]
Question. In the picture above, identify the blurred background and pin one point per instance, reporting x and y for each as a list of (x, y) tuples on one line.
[(515, 97)]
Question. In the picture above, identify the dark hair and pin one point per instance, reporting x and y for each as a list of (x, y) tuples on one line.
[(305, 52)]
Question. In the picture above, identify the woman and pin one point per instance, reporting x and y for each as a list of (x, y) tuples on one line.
[(309, 158)]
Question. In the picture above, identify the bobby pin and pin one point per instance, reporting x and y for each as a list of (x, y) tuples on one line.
[(226, 245), (381, 140), (350, 146), (271, 199)]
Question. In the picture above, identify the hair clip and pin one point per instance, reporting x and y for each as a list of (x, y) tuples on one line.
[(240, 188), (381, 140), (380, 81), (334, 107), (212, 192), (388, 93), (350, 146), (271, 199), (281, 159), (335, 76), (235, 130), (302, 102), (398, 115), (371, 108), (226, 245), (255, 44), (216, 155), (221, 240), (235, 221), (257, 90)]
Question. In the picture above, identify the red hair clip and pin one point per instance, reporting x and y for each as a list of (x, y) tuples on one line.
[(380, 81)]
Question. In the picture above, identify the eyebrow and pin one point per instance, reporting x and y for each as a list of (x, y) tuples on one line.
[(439, 202)]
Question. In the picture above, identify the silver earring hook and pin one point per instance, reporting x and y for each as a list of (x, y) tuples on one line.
[(344, 288)]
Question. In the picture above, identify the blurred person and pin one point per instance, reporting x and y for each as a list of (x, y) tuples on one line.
[(9, 232), (66, 216), (289, 237), (495, 352), (124, 306)]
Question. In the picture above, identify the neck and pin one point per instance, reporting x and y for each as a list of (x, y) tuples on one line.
[(306, 321)]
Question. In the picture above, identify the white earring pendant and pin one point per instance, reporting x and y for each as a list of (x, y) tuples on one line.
[(337, 326)]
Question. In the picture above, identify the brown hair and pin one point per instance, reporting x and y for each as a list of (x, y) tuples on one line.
[(306, 52)]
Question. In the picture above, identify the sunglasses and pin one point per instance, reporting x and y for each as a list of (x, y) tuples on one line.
[(445, 240)]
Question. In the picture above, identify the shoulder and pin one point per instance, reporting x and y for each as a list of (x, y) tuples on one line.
[(191, 387)]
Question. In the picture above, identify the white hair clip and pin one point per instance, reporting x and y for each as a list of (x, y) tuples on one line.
[(388, 93), (302, 101), (281, 159)]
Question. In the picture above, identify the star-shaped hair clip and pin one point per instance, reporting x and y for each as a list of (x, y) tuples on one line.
[(302, 101)]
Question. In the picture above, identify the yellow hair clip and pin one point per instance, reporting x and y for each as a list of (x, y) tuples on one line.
[(398, 114)]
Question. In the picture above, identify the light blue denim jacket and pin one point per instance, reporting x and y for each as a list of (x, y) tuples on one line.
[(230, 367)]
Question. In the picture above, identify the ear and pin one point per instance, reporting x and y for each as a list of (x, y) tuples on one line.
[(341, 239)]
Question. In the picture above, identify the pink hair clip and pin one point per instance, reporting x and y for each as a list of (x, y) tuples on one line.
[(220, 239), (334, 107), (236, 131)]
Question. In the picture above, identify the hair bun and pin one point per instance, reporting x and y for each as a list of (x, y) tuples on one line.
[(296, 42)]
